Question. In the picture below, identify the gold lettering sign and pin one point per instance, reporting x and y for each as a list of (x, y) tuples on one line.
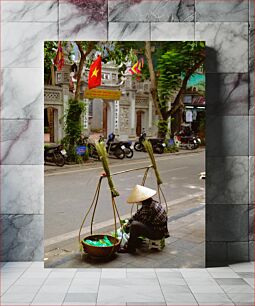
[(105, 94)]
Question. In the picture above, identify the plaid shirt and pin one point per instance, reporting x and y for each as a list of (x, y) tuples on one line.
[(154, 215)]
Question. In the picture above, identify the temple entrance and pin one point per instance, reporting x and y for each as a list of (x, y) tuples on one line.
[(105, 125), (139, 126), (50, 124)]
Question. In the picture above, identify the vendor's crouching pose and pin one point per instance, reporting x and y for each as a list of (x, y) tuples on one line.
[(150, 220)]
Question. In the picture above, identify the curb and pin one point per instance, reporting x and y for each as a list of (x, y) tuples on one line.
[(93, 162)]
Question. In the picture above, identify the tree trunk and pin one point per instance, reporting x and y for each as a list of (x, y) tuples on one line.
[(81, 64), (53, 83), (177, 102), (78, 84), (154, 93)]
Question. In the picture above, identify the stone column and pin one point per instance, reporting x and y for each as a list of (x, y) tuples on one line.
[(86, 117), (64, 109), (150, 116), (132, 114), (116, 117)]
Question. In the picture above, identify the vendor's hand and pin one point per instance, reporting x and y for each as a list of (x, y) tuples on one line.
[(126, 227)]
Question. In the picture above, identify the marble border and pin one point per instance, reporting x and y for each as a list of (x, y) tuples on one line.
[(227, 33)]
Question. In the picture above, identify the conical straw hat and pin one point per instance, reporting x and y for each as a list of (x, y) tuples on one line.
[(140, 193)]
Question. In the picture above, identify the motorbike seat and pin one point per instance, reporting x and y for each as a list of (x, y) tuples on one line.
[(51, 147)]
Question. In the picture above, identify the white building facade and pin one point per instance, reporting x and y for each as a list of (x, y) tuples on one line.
[(126, 117)]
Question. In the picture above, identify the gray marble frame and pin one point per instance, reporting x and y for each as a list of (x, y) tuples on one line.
[(229, 33)]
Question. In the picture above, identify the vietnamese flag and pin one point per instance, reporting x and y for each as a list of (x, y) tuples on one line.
[(95, 73), (59, 58)]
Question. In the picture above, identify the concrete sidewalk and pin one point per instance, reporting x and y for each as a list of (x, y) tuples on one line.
[(28, 283), (184, 248)]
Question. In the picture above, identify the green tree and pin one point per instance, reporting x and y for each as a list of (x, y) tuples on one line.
[(50, 48), (168, 65), (170, 68)]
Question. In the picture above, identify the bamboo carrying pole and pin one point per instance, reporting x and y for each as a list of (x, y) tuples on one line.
[(114, 206), (103, 156)]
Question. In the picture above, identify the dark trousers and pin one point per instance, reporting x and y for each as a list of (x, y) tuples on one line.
[(138, 229)]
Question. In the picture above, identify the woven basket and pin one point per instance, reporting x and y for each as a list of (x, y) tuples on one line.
[(101, 252)]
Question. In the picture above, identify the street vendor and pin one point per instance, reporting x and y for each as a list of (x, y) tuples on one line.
[(150, 220)]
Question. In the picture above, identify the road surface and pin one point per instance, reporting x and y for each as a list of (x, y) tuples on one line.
[(68, 194)]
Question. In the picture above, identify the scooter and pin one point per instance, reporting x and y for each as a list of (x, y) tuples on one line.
[(113, 148), (185, 142), (139, 144), (128, 148), (55, 154), (158, 144)]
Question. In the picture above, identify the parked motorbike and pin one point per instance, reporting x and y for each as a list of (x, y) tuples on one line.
[(186, 142), (125, 145), (139, 144), (129, 152), (158, 144), (55, 154), (114, 148)]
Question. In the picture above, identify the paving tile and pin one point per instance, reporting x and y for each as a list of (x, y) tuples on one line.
[(242, 299), (167, 280), (89, 273), (243, 267), (12, 296), (113, 273), (237, 289), (246, 274), (36, 273), (23, 281), (222, 272), (13, 303), (16, 265), (84, 285), (62, 273), (230, 281), (137, 273), (213, 299), (79, 303), (174, 288), (49, 299), (250, 281), (81, 298), (195, 273), (180, 299), (145, 304), (202, 288), (129, 290)]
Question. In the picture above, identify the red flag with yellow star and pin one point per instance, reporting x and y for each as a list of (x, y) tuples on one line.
[(95, 73), (59, 58)]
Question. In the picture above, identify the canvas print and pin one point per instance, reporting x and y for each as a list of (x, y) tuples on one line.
[(124, 153)]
